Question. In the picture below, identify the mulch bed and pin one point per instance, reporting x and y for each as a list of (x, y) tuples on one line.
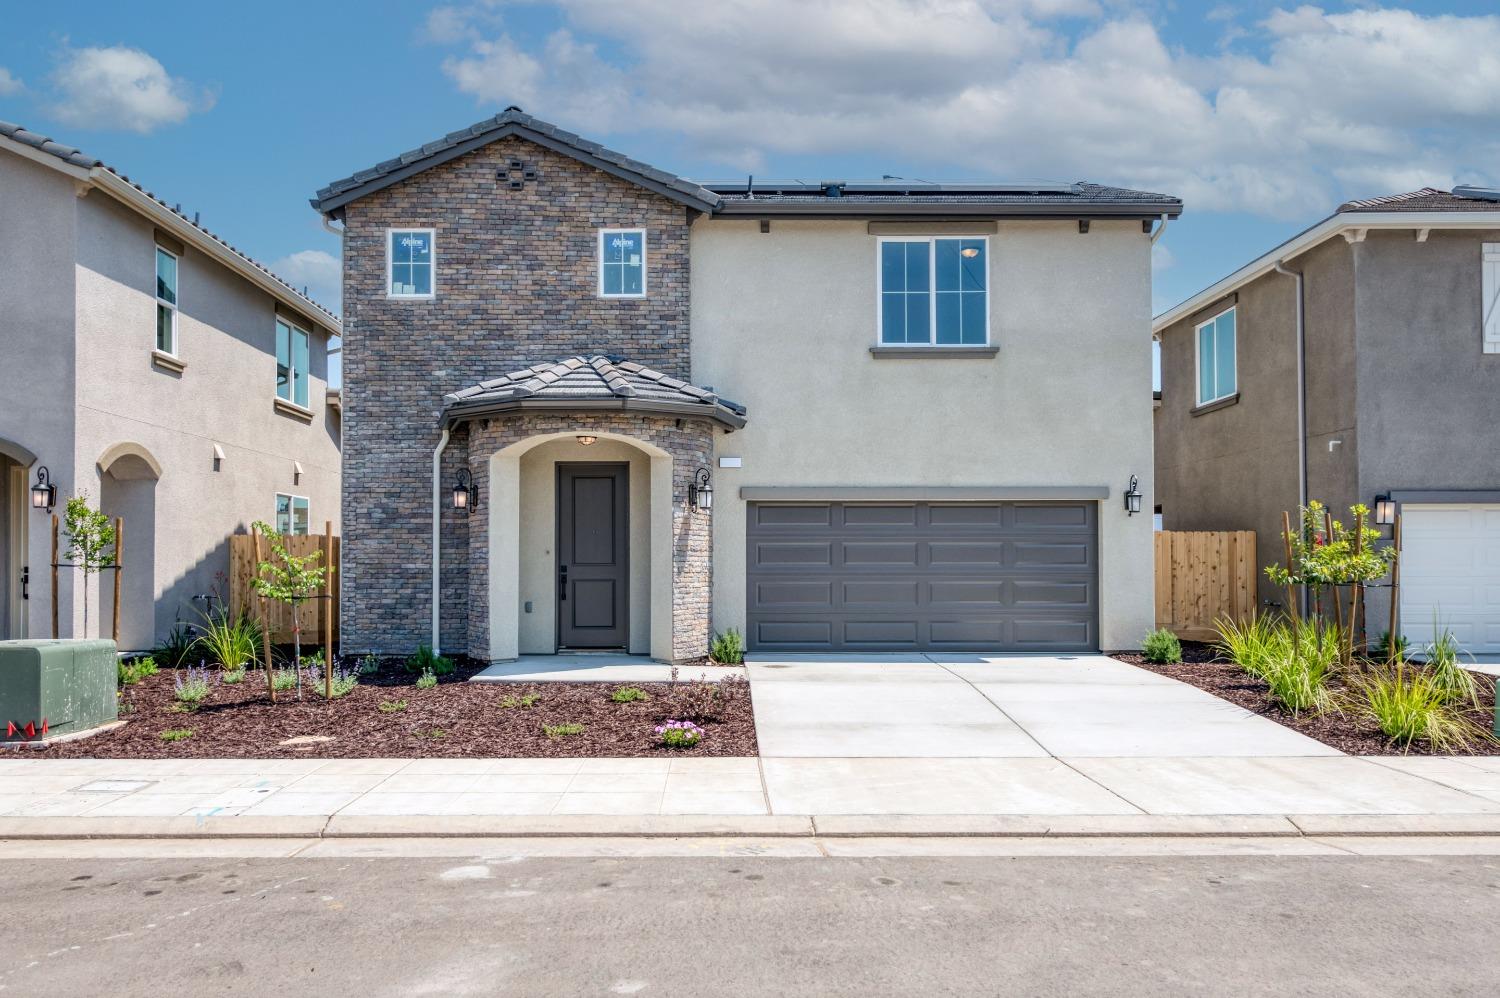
[(1346, 731), (456, 718)]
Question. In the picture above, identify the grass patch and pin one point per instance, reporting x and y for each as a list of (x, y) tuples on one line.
[(561, 730), (176, 734), (523, 701), (629, 694), (1410, 705), (432, 734), (391, 706)]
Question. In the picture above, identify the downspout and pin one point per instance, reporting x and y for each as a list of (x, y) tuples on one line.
[(1301, 395), (1159, 230), (437, 535)]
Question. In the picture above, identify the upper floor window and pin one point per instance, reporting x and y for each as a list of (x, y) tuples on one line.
[(1216, 358), (166, 301), (411, 260), (292, 357), (1489, 288), (291, 514), (622, 263), (934, 292)]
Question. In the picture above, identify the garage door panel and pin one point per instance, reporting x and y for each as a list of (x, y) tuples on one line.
[(1450, 574), (913, 576)]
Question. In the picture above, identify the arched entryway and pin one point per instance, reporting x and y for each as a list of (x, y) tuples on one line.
[(128, 474), (15, 466)]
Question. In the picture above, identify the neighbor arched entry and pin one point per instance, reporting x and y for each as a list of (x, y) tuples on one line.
[(128, 473), (15, 504)]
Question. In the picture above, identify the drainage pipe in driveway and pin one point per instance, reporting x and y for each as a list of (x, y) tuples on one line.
[(437, 534)]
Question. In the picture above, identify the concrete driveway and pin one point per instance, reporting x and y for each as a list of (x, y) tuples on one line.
[(998, 706)]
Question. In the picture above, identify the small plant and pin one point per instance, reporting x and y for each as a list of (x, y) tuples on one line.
[(727, 648), (431, 733), (1383, 650), (1408, 704), (629, 694), (391, 706), (524, 700), (555, 731), (231, 642), (1452, 680), (426, 660), (679, 734), (369, 665), (1299, 670), (426, 680), (283, 678), (1251, 644), (1162, 647), (315, 661), (344, 682), (192, 688), (177, 649), (91, 543), (134, 671), (290, 579), (176, 734), (232, 677)]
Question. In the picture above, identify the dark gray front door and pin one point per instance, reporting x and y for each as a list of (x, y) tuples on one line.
[(593, 570), (1006, 576)]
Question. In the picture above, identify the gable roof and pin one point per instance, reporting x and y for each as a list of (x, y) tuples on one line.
[(948, 198), (91, 170), (511, 121), (1414, 211), (597, 382)]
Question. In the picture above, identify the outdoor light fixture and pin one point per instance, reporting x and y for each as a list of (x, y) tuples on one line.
[(969, 252), (1133, 497), (43, 493), (586, 439), (701, 491), (464, 491), (1385, 510)]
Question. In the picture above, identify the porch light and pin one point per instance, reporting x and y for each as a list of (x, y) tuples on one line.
[(43, 493), (701, 491), (1133, 497), (1385, 510), (969, 252), (587, 439), (464, 491)]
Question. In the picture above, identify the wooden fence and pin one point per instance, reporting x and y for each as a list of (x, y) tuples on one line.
[(1201, 576), (312, 615)]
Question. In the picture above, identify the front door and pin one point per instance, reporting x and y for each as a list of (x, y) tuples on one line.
[(592, 559)]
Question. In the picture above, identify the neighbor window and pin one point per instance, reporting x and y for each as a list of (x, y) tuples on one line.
[(1489, 289), (622, 263), (934, 292), (411, 255), (166, 301), (1216, 375), (291, 363), (291, 514)]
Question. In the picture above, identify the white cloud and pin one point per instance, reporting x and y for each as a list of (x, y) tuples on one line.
[(1161, 258), (122, 88), (321, 273), (1334, 105), (9, 85)]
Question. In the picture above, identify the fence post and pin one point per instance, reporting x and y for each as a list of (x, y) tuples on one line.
[(54, 577), (1395, 586), (119, 570), (265, 618), (327, 609)]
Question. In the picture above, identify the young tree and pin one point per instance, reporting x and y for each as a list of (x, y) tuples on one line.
[(289, 579), (91, 543)]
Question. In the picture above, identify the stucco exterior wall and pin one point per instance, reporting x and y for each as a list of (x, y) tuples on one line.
[(783, 322)]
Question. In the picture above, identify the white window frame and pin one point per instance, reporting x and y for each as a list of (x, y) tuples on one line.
[(291, 513), (932, 292), (291, 387), (1489, 306), (645, 261), (171, 349), (390, 262), (1198, 357)]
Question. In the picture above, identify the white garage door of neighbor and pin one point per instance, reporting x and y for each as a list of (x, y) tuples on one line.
[(1450, 573)]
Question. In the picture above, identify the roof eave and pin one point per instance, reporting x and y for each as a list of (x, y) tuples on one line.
[(458, 412), (889, 211)]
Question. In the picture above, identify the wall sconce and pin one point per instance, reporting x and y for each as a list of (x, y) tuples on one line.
[(587, 439), (1133, 497), (1385, 510), (701, 491), (43, 493), (465, 495)]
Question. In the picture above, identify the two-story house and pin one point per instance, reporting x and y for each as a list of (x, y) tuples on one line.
[(153, 366), (590, 404), (1359, 361)]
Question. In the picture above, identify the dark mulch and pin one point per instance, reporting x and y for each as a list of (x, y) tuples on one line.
[(1345, 731), (453, 719)]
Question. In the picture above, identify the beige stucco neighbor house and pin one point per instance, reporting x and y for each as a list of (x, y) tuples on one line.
[(150, 364), (593, 405)]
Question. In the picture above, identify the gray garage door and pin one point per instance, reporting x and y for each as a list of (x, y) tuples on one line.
[(1010, 576)]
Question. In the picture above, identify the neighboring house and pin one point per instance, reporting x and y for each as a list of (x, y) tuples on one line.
[(153, 366), (840, 417), (1402, 387)]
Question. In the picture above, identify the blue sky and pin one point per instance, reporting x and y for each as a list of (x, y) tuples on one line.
[(1261, 116)]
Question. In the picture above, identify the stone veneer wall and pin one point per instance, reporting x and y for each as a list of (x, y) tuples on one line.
[(517, 285), (689, 442)]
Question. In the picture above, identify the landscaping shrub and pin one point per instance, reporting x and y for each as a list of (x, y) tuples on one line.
[(232, 676), (425, 660), (176, 651), (176, 734), (229, 642), (1383, 649), (191, 687), (561, 730), (369, 665), (525, 700), (628, 694), (426, 680), (679, 734), (1296, 659), (727, 648), (1251, 644), (1408, 704), (133, 671), (1455, 683), (344, 681), (1162, 647), (284, 678), (391, 706)]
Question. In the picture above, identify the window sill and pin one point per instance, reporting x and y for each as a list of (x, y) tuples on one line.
[(294, 410), (887, 352), (1222, 403), (168, 362), (390, 297)]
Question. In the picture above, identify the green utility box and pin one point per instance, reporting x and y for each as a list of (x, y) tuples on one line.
[(50, 688)]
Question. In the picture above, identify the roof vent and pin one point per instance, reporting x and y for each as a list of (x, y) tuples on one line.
[(833, 188), (1477, 193)]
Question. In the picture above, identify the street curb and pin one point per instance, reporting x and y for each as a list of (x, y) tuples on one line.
[(747, 826)]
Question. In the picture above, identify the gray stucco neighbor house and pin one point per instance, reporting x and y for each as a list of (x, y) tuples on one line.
[(590, 404), (1399, 316)]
